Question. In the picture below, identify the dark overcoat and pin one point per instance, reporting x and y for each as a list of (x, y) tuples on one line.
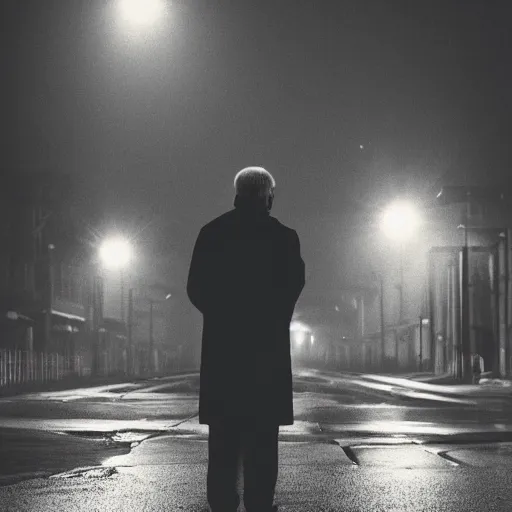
[(245, 277)]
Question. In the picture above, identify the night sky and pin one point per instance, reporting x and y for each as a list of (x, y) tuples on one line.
[(348, 103)]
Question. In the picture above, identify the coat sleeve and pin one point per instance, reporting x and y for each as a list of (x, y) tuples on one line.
[(295, 270), (197, 283)]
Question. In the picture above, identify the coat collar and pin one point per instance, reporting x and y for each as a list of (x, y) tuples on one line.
[(251, 209)]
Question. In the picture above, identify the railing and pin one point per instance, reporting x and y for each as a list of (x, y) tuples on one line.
[(20, 367)]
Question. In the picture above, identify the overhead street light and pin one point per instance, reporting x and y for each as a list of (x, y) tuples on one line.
[(116, 253), (400, 220), (141, 12)]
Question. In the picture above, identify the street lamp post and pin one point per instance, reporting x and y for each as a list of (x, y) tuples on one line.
[(401, 285), (465, 315), (399, 222), (424, 322), (421, 343), (116, 254), (121, 281), (152, 302), (131, 364), (382, 322), (151, 348), (380, 278)]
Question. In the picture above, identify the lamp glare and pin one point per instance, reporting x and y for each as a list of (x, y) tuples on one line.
[(141, 12), (400, 221), (115, 253)]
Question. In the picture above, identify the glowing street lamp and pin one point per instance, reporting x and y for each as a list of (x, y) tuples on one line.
[(399, 221), (300, 332), (141, 12), (116, 253)]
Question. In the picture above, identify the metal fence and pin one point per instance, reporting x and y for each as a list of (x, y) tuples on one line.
[(20, 367)]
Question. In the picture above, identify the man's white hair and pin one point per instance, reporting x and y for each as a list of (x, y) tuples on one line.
[(254, 182)]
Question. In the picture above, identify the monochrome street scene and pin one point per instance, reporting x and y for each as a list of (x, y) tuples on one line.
[(256, 256)]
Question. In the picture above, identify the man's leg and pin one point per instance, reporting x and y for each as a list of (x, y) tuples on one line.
[(223, 451), (260, 468)]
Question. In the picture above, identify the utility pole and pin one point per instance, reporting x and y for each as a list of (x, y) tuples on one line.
[(96, 321), (49, 296), (506, 299), (121, 281), (465, 317), (151, 335), (382, 322), (401, 286), (421, 343), (130, 332), (456, 314)]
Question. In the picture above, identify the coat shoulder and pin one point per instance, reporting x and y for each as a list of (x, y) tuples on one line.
[(230, 217), (284, 229), (218, 222)]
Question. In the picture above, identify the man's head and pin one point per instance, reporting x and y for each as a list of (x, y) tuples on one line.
[(254, 187)]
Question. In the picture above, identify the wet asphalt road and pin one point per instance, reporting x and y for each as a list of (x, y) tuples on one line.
[(33, 440), (316, 399)]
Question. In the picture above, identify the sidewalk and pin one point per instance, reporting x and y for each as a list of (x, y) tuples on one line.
[(169, 474)]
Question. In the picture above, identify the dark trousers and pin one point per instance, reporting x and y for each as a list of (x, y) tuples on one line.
[(257, 448)]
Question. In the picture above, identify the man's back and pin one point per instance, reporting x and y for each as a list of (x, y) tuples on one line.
[(245, 277), (247, 262)]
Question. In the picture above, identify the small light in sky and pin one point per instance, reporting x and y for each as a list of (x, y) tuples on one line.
[(337, 308), (361, 146)]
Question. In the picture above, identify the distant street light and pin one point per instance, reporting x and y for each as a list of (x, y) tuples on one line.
[(141, 12), (399, 221), (300, 332), (116, 253)]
